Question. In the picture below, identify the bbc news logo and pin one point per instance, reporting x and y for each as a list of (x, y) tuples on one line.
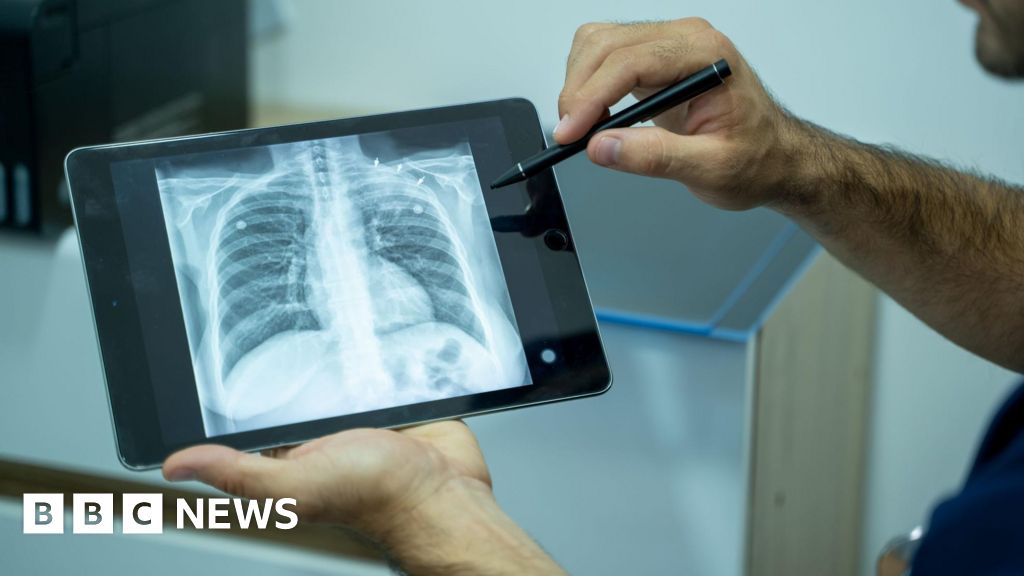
[(144, 513)]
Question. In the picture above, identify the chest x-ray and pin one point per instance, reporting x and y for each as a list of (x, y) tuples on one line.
[(336, 276)]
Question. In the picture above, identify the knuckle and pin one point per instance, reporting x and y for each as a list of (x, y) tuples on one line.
[(586, 30), (655, 159), (696, 22), (639, 26), (601, 40), (565, 100), (671, 51), (721, 42)]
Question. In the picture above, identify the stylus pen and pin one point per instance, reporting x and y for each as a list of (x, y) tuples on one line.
[(661, 101)]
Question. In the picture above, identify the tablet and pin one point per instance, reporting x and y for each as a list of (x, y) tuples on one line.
[(264, 287)]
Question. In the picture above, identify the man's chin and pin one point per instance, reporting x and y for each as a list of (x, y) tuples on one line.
[(995, 59), (1000, 66)]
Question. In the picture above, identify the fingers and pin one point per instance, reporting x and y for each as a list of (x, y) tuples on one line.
[(234, 472), (593, 43), (608, 61), (649, 151), (435, 430), (451, 437), (584, 57)]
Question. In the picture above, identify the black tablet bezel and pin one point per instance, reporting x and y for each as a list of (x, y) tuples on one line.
[(550, 294)]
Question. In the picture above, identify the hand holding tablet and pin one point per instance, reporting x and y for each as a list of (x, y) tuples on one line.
[(264, 287)]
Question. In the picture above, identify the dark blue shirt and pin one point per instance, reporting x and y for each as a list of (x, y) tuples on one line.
[(980, 531)]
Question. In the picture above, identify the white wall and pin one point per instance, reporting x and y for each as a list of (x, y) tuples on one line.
[(883, 71), (897, 72)]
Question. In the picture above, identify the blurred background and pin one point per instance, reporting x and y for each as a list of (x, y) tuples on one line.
[(771, 413)]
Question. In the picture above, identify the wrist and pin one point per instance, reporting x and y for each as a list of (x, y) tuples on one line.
[(462, 530), (807, 155)]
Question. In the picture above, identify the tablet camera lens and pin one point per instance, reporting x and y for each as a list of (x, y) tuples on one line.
[(556, 240)]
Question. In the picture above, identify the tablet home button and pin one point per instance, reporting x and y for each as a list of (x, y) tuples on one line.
[(548, 356)]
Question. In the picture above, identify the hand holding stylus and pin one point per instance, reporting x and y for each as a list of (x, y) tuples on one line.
[(693, 86), (729, 146)]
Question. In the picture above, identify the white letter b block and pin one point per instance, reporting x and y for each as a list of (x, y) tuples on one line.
[(43, 514), (93, 514)]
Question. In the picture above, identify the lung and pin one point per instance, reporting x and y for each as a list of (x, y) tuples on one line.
[(405, 225), (261, 264)]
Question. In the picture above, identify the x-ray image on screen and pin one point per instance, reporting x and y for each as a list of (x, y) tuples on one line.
[(337, 276)]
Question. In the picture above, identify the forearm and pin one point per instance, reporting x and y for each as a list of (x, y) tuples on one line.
[(463, 531), (948, 246)]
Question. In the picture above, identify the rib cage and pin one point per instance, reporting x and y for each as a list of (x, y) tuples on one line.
[(266, 258)]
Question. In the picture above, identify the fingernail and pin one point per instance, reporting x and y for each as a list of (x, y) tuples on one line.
[(561, 124), (607, 151), (181, 475)]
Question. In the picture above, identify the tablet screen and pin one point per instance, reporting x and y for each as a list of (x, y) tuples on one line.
[(328, 277)]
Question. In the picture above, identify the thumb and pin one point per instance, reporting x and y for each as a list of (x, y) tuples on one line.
[(234, 472), (651, 151)]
